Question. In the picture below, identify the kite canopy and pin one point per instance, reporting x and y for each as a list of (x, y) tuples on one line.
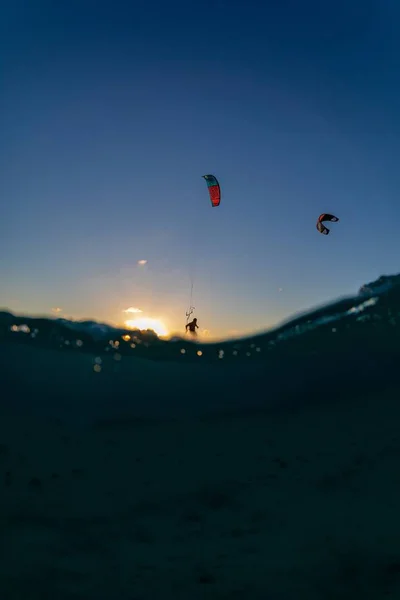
[(325, 217), (213, 189)]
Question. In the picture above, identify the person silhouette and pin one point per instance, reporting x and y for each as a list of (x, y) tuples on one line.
[(192, 326)]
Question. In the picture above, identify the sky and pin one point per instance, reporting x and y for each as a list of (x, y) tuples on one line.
[(111, 112)]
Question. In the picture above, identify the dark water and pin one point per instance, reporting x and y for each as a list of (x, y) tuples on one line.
[(267, 467)]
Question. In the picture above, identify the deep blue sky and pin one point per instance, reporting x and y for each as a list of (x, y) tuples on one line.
[(110, 113)]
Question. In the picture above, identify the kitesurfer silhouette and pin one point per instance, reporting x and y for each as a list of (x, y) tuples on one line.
[(192, 326)]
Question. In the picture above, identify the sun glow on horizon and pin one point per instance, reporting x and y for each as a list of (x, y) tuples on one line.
[(148, 323)]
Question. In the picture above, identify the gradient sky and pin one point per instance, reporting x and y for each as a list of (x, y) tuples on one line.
[(110, 113)]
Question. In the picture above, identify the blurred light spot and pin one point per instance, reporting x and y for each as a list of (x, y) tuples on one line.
[(132, 309), (97, 368), (199, 353), (98, 360), (221, 354), (126, 338), (183, 351), (22, 328), (79, 343), (142, 262), (133, 345), (117, 356)]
